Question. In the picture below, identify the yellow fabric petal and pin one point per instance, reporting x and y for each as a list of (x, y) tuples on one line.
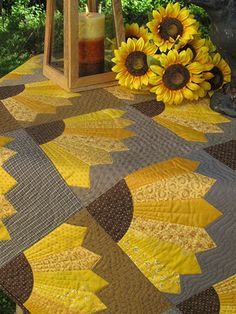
[(160, 171), (74, 171), (186, 133), (4, 234), (5, 140), (192, 212)]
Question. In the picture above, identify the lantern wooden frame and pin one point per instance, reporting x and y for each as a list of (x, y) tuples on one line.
[(70, 80)]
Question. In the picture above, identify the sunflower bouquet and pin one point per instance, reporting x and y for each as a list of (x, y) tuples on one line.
[(169, 58)]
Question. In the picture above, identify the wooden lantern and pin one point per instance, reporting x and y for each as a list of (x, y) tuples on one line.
[(79, 64)]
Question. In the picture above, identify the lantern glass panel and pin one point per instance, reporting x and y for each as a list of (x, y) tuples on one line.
[(80, 40), (97, 38), (57, 43)]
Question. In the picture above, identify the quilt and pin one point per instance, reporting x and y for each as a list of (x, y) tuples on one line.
[(112, 202)]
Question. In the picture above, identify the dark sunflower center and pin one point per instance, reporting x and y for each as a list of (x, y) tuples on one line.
[(176, 76), (171, 27), (136, 63), (217, 80), (132, 37), (190, 47)]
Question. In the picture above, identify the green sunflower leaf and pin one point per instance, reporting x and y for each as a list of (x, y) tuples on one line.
[(152, 61)]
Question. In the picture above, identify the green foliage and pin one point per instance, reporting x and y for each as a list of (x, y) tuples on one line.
[(22, 25), (7, 306), (201, 15), (21, 33), (137, 11)]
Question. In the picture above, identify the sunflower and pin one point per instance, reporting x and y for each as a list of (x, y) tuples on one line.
[(172, 24), (178, 78), (220, 74), (199, 49), (131, 63), (135, 31)]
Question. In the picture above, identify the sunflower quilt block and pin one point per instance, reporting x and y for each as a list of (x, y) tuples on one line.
[(60, 276), (169, 219), (35, 99), (192, 121), (88, 140)]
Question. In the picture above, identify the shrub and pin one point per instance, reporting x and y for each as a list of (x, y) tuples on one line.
[(7, 306), (21, 33)]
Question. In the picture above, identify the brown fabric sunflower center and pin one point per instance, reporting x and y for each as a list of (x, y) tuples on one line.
[(171, 27), (136, 63), (176, 76), (217, 80)]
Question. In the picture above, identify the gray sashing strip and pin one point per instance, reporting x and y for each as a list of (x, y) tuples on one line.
[(151, 144), (219, 263), (229, 130), (41, 198)]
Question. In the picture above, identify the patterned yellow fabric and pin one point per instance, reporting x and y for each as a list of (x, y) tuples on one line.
[(41, 97), (226, 291), (6, 184), (48, 88), (170, 214), (88, 140), (191, 120), (125, 93), (27, 68), (63, 278)]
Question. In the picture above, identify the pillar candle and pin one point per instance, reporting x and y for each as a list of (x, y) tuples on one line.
[(91, 43)]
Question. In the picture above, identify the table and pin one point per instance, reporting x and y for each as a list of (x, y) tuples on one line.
[(111, 202)]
